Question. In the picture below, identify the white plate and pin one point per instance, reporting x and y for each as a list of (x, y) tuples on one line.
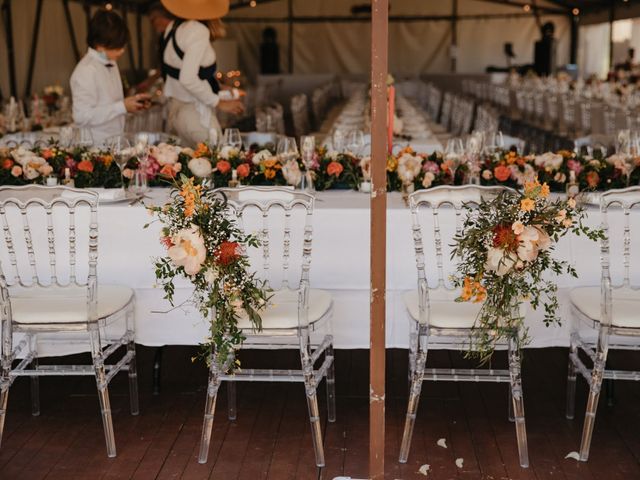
[(106, 196)]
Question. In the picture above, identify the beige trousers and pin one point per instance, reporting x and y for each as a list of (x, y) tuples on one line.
[(183, 120)]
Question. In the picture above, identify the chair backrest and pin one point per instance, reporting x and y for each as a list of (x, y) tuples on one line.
[(45, 230), (437, 214), (282, 219), (618, 223)]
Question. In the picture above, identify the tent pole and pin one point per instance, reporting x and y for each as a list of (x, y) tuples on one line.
[(379, 148), (612, 16), (34, 47), (573, 49), (72, 32), (290, 33), (454, 35), (139, 37), (8, 29)]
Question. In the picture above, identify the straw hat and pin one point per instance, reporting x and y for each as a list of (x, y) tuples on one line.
[(197, 9)]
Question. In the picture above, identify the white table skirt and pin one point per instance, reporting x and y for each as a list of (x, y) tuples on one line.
[(340, 264)]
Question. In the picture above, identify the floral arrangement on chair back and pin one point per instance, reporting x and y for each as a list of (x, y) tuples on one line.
[(205, 245), (505, 247)]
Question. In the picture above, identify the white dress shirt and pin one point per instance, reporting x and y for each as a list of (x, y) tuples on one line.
[(98, 98), (192, 38)]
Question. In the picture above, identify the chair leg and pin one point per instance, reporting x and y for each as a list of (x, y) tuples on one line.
[(35, 389), (518, 403), (510, 414), (331, 385), (133, 378), (103, 392), (231, 400), (571, 381), (595, 386), (209, 410), (314, 418), (412, 406), (4, 397)]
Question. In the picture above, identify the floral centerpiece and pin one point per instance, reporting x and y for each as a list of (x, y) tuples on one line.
[(505, 249), (206, 246)]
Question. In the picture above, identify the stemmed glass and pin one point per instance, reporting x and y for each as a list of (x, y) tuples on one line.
[(627, 149), (338, 140), (82, 137), (141, 142), (287, 150), (213, 139), (232, 138), (355, 142), (453, 156), (494, 142), (308, 149), (474, 147), (120, 149)]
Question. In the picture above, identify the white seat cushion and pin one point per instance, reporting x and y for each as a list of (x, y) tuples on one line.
[(445, 311), (625, 303), (282, 311), (65, 304)]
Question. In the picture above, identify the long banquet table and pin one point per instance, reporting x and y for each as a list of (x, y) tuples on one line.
[(340, 263)]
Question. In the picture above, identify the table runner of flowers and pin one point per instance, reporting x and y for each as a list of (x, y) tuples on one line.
[(330, 170)]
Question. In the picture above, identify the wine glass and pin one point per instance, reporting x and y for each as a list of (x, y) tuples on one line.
[(355, 142), (82, 137), (213, 138), (474, 147), (308, 149), (338, 140), (453, 156), (287, 149), (232, 138), (141, 150), (120, 149)]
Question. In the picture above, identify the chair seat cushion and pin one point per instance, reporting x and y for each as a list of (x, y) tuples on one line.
[(625, 303), (281, 312), (65, 304), (445, 311)]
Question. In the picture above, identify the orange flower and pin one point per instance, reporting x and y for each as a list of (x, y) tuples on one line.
[(223, 166), (334, 169), (502, 173), (47, 153), (269, 173), (243, 170), (190, 193), (271, 163), (7, 163), (527, 204), (201, 151), (107, 159), (227, 252), (168, 171), (392, 164), (504, 237), (544, 190), (511, 158), (472, 290), (85, 166), (593, 179)]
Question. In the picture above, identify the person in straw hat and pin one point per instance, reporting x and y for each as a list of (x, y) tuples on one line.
[(189, 66)]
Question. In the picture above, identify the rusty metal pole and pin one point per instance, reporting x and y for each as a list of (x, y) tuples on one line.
[(379, 56)]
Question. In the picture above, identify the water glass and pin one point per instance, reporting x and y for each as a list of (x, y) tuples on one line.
[(232, 138)]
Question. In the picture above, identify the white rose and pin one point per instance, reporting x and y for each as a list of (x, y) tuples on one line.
[(261, 156), (228, 151), (164, 153), (30, 173), (200, 167), (408, 167), (428, 179), (487, 174), (499, 261), (549, 160)]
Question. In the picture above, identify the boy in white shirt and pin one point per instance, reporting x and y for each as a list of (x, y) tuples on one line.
[(98, 99)]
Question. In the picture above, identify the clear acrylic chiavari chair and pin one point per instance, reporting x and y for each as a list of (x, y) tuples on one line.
[(436, 319), (605, 317), (51, 303), (297, 316)]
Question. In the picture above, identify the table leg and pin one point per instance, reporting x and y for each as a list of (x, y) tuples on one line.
[(157, 366)]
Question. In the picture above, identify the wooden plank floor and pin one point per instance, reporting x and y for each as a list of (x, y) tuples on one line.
[(271, 440)]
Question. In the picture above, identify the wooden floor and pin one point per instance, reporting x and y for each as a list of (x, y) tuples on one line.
[(270, 438)]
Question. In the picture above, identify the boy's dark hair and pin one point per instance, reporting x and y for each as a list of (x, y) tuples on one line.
[(157, 7), (107, 29)]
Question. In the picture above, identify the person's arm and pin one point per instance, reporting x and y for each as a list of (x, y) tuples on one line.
[(195, 46), (86, 111)]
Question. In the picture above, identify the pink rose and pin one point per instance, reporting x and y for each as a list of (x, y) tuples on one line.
[(16, 171), (46, 170), (574, 165)]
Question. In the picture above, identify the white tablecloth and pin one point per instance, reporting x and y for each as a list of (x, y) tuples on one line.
[(340, 264)]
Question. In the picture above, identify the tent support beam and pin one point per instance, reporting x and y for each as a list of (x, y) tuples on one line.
[(379, 148), (534, 7), (11, 59), (34, 48), (72, 31), (367, 18)]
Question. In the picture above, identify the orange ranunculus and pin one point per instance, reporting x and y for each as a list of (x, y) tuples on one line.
[(243, 170), (545, 190), (593, 179), (85, 166), (511, 158), (269, 173), (502, 173), (107, 160), (334, 169), (227, 253), (527, 204), (271, 163), (168, 171), (504, 237), (223, 166), (392, 164), (46, 153), (201, 151), (7, 163)]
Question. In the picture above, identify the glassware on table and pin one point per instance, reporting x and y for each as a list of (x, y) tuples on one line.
[(82, 137), (454, 156), (474, 147), (232, 138), (213, 139), (287, 149), (138, 184), (307, 150), (338, 140), (65, 137), (493, 142), (355, 142), (120, 149), (628, 149)]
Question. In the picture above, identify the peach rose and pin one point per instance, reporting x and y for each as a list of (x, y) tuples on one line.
[(85, 166), (502, 173), (243, 170), (223, 166), (16, 171), (334, 169)]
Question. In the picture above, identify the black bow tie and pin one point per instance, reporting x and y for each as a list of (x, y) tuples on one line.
[(108, 65)]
